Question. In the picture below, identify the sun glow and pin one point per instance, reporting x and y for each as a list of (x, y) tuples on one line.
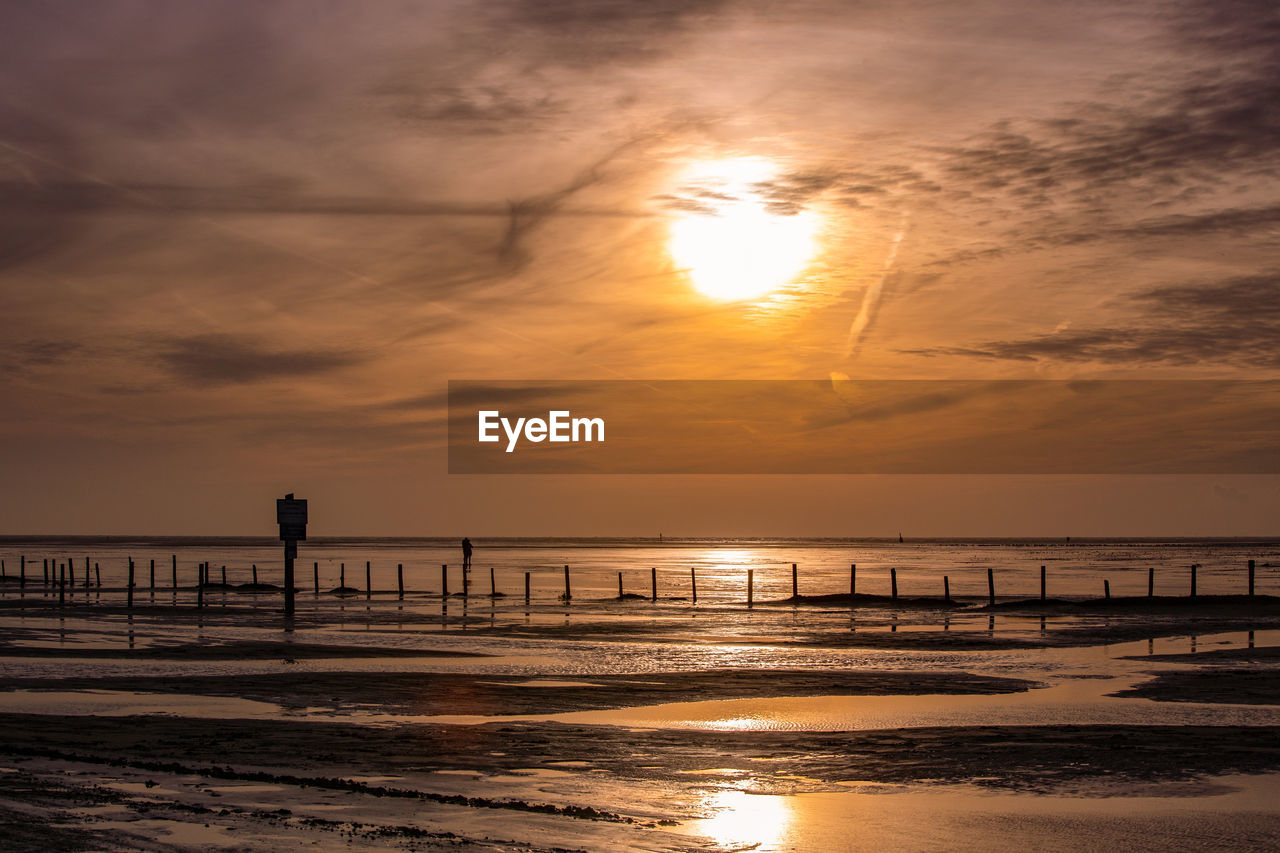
[(726, 237)]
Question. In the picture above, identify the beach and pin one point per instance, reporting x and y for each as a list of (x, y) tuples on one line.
[(204, 720)]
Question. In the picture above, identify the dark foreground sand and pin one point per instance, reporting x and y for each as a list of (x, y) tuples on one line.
[(188, 771), (428, 693)]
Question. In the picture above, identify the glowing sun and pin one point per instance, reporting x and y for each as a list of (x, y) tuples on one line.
[(726, 238)]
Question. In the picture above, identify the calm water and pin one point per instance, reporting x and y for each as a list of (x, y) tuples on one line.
[(1075, 569)]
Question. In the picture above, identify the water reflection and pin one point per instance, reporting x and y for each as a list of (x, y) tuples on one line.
[(743, 821)]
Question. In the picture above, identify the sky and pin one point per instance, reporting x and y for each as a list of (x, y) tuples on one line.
[(245, 245)]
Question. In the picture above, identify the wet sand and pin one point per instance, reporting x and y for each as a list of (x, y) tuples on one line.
[(340, 755), (425, 693)]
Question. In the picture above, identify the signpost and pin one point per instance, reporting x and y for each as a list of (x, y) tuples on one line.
[(291, 515)]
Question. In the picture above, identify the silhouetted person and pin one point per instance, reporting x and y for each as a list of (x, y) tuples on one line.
[(466, 554)]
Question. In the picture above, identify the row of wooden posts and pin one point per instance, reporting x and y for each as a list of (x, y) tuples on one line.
[(66, 572)]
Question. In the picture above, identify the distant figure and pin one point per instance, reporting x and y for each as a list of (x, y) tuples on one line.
[(466, 554)]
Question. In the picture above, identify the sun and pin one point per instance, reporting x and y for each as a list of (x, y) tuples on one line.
[(728, 240)]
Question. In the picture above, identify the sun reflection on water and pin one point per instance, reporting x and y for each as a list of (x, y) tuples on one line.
[(742, 821)]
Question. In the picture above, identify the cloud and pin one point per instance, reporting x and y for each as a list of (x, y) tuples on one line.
[(1236, 322), (217, 359)]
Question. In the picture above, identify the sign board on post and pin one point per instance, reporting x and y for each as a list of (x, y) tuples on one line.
[(291, 515)]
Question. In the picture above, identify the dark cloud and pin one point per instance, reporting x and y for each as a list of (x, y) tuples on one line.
[(1234, 323), (1215, 117), (33, 353), (217, 359)]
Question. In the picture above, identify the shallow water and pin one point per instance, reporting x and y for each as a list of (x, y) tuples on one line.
[(1075, 568)]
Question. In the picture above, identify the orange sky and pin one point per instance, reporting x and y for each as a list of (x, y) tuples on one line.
[(244, 245)]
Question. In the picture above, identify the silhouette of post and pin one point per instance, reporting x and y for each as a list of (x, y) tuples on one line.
[(224, 577), (130, 591), (44, 567), (62, 584), (619, 584), (795, 582), (255, 574), (653, 582), (946, 589), (173, 562), (526, 588), (22, 572), (567, 594), (693, 582), (1194, 566), (493, 585), (342, 575), (1106, 589), (853, 579), (368, 581), (400, 580), (291, 515), (893, 584), (315, 577), (444, 580), (991, 588), (153, 576), (1251, 578), (1042, 584), (97, 576), (751, 581), (1151, 582)]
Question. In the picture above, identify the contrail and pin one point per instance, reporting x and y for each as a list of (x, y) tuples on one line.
[(872, 296)]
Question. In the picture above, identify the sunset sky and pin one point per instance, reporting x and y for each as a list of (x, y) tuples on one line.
[(245, 245)]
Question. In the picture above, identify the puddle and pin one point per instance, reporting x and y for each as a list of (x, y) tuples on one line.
[(916, 818)]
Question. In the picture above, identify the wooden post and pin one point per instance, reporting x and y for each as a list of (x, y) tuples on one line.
[(3, 575), (693, 582), (44, 567), (653, 582), (62, 584), (466, 580), (893, 584), (173, 561), (315, 577), (130, 593), (400, 580), (751, 580), (153, 575), (619, 584), (493, 586), (255, 574), (1106, 588), (1151, 581), (342, 575), (200, 585), (991, 588), (795, 581), (1042, 584), (22, 572), (946, 589), (1251, 578), (290, 554), (224, 577), (526, 589), (368, 581), (444, 580), (97, 576), (567, 593), (1194, 566), (853, 579), (86, 572)]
